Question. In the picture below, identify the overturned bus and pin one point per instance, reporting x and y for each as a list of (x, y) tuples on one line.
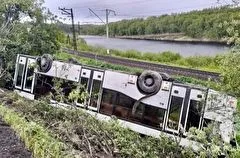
[(148, 103)]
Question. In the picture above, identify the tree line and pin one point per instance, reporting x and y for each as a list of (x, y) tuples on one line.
[(207, 23)]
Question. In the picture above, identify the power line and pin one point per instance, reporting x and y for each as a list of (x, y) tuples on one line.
[(88, 22), (91, 11)]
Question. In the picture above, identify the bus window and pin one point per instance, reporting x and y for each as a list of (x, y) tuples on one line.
[(124, 106), (174, 112), (108, 100), (153, 116), (84, 82), (29, 78), (20, 75), (138, 116)]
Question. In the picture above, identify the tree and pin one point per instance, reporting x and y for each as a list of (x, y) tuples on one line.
[(200, 24), (10, 11), (230, 63), (34, 37)]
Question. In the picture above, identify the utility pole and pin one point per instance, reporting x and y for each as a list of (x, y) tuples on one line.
[(107, 29), (69, 13), (108, 12), (79, 31)]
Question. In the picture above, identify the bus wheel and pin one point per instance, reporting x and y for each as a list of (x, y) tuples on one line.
[(45, 62), (149, 82)]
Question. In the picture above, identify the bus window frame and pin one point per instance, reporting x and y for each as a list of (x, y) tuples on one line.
[(194, 98), (94, 78), (23, 62), (29, 62), (182, 95)]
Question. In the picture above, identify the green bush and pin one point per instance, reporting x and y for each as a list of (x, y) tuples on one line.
[(149, 56), (82, 131), (92, 137), (132, 54), (168, 57)]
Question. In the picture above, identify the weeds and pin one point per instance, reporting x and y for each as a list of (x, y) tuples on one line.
[(36, 138), (90, 137)]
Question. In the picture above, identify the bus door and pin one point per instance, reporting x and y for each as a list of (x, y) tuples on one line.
[(95, 90), (29, 78), (19, 72), (83, 88), (173, 121), (195, 109), (24, 74)]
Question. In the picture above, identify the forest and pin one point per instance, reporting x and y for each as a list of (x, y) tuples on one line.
[(208, 23)]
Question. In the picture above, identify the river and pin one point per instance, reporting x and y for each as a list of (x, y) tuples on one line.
[(185, 49)]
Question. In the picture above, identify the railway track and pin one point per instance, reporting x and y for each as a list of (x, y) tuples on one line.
[(171, 70)]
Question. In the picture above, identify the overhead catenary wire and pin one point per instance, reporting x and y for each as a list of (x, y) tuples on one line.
[(108, 12)]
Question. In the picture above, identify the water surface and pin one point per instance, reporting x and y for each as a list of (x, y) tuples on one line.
[(185, 49)]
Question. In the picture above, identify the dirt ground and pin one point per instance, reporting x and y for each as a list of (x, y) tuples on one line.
[(10, 144)]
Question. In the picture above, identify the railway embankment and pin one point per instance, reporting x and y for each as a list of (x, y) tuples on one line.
[(171, 70)]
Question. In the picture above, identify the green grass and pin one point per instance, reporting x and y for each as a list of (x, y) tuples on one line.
[(36, 138), (82, 131)]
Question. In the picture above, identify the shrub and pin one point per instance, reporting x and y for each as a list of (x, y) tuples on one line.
[(168, 57), (132, 54)]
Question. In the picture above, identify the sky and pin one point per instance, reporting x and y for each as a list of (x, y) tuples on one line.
[(126, 9)]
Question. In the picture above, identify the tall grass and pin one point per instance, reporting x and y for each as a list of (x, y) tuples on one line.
[(36, 138), (89, 136)]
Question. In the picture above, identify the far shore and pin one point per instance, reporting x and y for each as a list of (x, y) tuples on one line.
[(174, 37)]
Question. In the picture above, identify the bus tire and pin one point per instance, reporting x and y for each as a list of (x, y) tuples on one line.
[(149, 82), (45, 63)]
